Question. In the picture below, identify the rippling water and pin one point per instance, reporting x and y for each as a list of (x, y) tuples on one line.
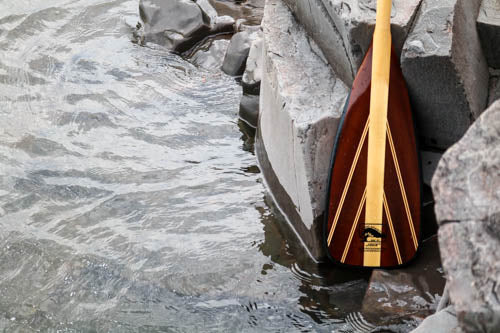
[(130, 198)]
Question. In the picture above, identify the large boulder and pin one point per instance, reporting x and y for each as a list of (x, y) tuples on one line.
[(180, 24), (301, 105), (467, 190), (445, 69), (344, 29)]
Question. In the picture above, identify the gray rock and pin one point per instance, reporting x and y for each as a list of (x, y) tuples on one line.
[(253, 69), (343, 29), (180, 24), (408, 293), (211, 56), (249, 109), (444, 321), (488, 26), (301, 104), (249, 11), (445, 70), (467, 191), (237, 53)]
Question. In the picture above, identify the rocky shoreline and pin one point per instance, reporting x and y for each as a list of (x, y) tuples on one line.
[(296, 68)]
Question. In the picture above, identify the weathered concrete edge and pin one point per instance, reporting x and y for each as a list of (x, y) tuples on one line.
[(301, 105), (285, 204)]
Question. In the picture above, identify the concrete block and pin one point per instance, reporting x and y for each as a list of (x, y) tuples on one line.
[(445, 70), (344, 29), (488, 26), (301, 105)]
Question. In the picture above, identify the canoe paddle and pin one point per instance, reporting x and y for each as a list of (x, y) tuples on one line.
[(373, 210)]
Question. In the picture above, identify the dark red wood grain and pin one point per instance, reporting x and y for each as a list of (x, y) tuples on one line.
[(402, 128)]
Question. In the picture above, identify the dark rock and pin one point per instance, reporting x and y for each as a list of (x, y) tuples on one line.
[(430, 160), (249, 109), (253, 69), (180, 24), (237, 53), (488, 26), (467, 191), (211, 56), (494, 86), (445, 70), (407, 293)]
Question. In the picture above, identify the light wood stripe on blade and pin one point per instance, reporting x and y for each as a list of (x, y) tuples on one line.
[(391, 228), (402, 187), (348, 182), (354, 227)]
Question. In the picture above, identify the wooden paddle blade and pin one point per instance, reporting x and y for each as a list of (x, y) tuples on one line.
[(347, 235)]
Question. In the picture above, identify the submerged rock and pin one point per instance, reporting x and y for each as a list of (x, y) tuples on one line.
[(211, 56), (445, 70), (180, 24), (467, 191), (412, 292)]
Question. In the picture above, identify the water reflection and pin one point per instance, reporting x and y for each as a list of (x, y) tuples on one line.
[(129, 200)]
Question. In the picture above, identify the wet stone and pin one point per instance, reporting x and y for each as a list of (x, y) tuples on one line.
[(180, 24), (488, 26), (411, 292), (445, 70), (253, 69), (211, 56), (249, 109), (237, 53), (444, 321)]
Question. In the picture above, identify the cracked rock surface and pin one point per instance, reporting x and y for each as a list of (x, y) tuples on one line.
[(467, 191), (344, 28), (445, 70)]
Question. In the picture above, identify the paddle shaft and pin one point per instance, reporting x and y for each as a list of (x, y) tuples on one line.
[(377, 135)]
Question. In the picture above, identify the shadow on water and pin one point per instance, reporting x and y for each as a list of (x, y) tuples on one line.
[(328, 292)]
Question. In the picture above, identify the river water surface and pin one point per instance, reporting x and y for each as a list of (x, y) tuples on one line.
[(130, 198)]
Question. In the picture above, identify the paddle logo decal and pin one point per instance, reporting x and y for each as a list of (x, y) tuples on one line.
[(371, 235)]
